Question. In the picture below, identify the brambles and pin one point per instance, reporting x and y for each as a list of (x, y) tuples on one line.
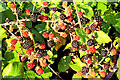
[(103, 53), (62, 16), (83, 48), (38, 55), (90, 42), (75, 44), (46, 10), (33, 17), (85, 70), (19, 12), (50, 43), (93, 27), (98, 18), (27, 44), (84, 20)]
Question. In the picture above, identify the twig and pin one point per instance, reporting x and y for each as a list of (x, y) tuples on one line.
[(54, 72), (77, 14), (33, 8)]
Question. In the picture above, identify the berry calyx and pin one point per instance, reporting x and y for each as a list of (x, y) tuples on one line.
[(12, 47), (93, 73), (44, 3), (44, 64), (102, 73), (42, 46), (27, 11), (64, 34), (13, 6), (45, 35), (92, 50), (47, 57), (62, 26), (30, 65), (39, 71), (77, 37), (51, 35), (113, 52), (69, 18), (79, 73), (25, 34), (87, 30), (80, 14), (13, 41), (28, 51)]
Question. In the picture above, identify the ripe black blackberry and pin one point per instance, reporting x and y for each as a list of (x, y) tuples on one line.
[(86, 56), (84, 20), (98, 18), (83, 48), (27, 44), (19, 12), (38, 55), (24, 59), (75, 44), (90, 42), (46, 10), (70, 30), (50, 43), (106, 66), (93, 27), (62, 16), (103, 53), (33, 17), (85, 70), (54, 9)]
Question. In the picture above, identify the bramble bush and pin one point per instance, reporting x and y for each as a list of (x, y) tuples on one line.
[(52, 40)]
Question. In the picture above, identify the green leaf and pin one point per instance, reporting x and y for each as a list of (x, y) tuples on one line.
[(76, 77), (28, 24), (102, 37), (75, 67), (40, 27), (117, 26), (82, 34), (118, 65), (82, 53), (2, 33), (63, 65), (50, 53), (2, 7), (78, 62), (101, 7), (30, 74), (68, 46), (38, 38), (12, 70), (46, 75)]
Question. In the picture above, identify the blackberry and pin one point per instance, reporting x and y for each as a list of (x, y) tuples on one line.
[(90, 42), (24, 59), (103, 53), (46, 10), (75, 44), (27, 44), (33, 17), (86, 57), (41, 51), (38, 55), (85, 69), (98, 18), (83, 48), (70, 30), (19, 12), (62, 16), (50, 43), (93, 27), (54, 9), (106, 66), (84, 20)]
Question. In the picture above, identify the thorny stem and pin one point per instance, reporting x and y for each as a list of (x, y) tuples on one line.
[(77, 14), (54, 72), (33, 8)]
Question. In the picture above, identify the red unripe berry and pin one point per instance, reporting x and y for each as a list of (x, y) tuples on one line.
[(102, 73), (89, 61), (64, 34), (80, 14), (12, 47), (39, 71), (93, 73), (13, 6), (31, 48), (44, 64), (69, 18), (44, 3), (28, 51), (114, 60), (25, 34), (45, 35), (13, 41), (77, 37), (51, 35), (99, 23), (92, 50), (88, 51), (30, 65), (64, 4), (87, 30), (62, 26), (79, 73), (23, 24), (74, 49), (70, 13), (113, 52), (27, 11), (45, 18), (47, 57), (42, 46)]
